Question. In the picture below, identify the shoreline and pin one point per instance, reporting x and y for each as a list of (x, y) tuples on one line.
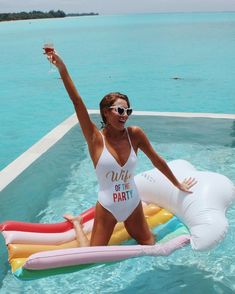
[(14, 16), (116, 14)]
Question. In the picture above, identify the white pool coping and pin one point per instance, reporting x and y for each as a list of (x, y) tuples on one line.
[(16, 167)]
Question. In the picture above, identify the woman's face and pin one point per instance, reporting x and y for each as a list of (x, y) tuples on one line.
[(114, 118)]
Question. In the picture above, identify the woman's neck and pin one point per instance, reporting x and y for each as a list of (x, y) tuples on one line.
[(112, 133)]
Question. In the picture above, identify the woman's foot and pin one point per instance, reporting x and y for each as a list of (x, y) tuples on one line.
[(80, 235), (72, 218)]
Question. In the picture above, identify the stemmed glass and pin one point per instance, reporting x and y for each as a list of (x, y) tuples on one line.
[(48, 47)]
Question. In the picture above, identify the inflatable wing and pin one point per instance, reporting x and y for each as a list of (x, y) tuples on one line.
[(203, 211)]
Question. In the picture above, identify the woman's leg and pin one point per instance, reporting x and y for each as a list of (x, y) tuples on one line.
[(80, 235), (103, 227), (137, 227)]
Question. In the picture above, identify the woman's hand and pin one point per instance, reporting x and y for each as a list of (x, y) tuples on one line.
[(187, 184), (55, 59)]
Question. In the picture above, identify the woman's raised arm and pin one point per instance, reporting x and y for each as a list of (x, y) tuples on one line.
[(89, 129)]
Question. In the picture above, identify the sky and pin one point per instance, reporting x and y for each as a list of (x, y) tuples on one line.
[(117, 6)]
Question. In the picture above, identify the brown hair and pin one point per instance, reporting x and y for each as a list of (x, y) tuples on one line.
[(108, 101)]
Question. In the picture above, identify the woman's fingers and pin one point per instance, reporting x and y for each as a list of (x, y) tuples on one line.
[(72, 218), (55, 59), (68, 217), (187, 184), (190, 182)]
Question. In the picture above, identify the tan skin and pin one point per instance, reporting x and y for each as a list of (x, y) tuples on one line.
[(118, 144)]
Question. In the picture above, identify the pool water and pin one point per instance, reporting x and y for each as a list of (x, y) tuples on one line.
[(63, 180)]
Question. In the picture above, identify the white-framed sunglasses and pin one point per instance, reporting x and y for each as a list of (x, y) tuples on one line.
[(122, 110)]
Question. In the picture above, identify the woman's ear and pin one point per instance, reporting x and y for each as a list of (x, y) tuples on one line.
[(105, 112)]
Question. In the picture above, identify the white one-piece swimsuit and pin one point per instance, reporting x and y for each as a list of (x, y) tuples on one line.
[(117, 190)]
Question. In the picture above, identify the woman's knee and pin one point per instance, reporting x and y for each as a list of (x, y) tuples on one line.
[(149, 241)]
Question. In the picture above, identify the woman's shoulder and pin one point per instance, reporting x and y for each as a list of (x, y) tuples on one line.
[(135, 131)]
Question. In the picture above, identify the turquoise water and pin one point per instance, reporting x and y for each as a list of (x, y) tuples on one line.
[(135, 54), (58, 183)]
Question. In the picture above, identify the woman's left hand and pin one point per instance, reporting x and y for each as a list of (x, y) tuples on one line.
[(187, 184)]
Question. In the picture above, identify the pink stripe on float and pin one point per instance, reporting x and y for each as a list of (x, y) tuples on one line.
[(98, 254)]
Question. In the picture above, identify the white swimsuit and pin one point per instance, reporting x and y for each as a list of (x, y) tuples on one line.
[(117, 190)]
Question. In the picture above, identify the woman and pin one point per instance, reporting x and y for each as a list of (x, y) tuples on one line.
[(113, 152)]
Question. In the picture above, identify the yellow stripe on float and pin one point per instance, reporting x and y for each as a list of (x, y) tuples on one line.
[(159, 218), (17, 263), (25, 250)]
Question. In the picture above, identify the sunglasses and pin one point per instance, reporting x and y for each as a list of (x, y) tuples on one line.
[(122, 110)]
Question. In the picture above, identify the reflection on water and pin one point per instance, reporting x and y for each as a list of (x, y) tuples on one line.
[(176, 279)]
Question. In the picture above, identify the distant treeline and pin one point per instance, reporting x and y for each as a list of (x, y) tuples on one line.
[(81, 14), (38, 14)]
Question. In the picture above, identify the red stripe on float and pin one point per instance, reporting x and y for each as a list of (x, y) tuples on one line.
[(45, 228)]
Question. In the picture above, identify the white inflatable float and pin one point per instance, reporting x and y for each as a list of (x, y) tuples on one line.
[(203, 211)]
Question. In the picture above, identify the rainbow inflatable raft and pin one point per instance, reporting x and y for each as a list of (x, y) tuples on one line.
[(39, 250)]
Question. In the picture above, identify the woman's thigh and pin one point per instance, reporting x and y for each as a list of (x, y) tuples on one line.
[(136, 225), (103, 227)]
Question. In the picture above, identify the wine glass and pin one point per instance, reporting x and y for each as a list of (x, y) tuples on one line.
[(48, 47)]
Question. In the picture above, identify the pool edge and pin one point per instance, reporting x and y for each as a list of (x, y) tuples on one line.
[(16, 167)]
